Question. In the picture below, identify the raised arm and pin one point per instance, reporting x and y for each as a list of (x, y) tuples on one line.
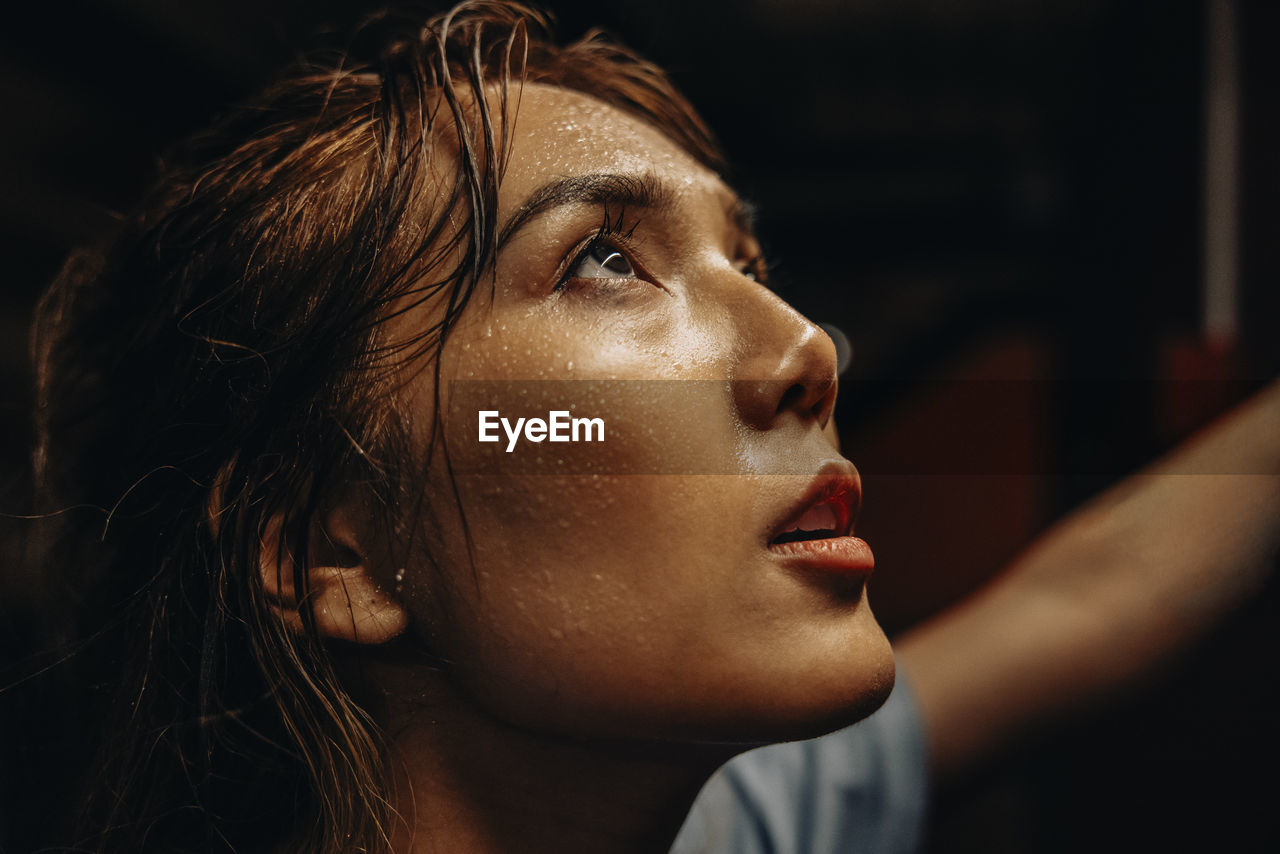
[(1108, 593)]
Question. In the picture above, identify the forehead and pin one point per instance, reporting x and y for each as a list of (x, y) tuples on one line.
[(560, 133)]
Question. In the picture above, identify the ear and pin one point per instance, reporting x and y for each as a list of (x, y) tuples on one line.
[(343, 590)]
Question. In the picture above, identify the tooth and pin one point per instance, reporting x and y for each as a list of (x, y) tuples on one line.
[(821, 517)]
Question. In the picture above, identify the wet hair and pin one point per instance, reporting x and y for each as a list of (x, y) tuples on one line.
[(223, 364)]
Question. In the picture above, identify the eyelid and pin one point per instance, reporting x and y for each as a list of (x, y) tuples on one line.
[(612, 235)]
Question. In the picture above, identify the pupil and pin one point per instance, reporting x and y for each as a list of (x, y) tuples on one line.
[(614, 262)]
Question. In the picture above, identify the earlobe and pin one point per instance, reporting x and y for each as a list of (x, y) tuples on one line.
[(346, 600)]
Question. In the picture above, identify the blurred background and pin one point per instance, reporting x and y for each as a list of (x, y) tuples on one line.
[(1051, 231)]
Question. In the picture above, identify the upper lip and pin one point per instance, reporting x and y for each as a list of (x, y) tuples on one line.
[(837, 484)]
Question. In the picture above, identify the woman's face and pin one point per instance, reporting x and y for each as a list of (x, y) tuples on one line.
[(643, 585)]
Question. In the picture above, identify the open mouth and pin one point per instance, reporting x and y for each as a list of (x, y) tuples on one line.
[(815, 539), (827, 518)]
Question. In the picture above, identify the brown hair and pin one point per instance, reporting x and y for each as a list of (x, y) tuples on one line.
[(223, 362)]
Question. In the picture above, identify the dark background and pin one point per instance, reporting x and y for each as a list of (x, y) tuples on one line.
[(1000, 202)]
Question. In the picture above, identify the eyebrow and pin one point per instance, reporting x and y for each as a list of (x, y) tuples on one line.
[(600, 188)]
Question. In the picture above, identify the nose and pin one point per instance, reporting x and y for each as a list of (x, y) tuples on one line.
[(787, 364)]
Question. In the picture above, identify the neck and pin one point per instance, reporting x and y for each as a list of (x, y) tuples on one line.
[(467, 782)]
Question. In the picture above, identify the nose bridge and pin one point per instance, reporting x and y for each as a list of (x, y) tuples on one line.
[(785, 362)]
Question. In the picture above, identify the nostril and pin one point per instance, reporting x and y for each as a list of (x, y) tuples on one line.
[(792, 397), (796, 362), (825, 402)]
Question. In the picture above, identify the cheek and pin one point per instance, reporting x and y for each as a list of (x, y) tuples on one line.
[(595, 559), (587, 592)]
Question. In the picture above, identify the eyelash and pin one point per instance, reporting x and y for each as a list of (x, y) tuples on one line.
[(610, 234)]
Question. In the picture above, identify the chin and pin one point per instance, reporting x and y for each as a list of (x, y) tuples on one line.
[(869, 697), (846, 699), (805, 700)]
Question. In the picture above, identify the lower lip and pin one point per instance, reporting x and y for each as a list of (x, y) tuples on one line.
[(842, 555)]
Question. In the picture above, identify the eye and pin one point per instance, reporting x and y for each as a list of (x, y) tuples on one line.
[(601, 260)]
